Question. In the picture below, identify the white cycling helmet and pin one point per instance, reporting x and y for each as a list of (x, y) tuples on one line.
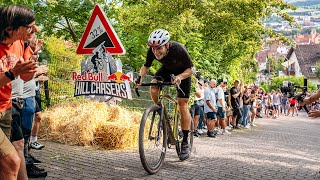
[(158, 38)]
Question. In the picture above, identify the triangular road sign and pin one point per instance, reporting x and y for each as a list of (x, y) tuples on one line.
[(99, 29)]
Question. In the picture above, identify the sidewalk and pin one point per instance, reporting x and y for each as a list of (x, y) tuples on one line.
[(285, 148)]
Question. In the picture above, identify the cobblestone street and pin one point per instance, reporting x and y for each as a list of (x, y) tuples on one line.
[(285, 148)]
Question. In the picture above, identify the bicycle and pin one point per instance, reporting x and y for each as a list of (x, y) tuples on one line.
[(158, 130)]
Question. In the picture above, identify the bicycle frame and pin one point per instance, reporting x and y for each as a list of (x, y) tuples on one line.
[(171, 134)]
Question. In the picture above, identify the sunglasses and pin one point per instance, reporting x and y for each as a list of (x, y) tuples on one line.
[(30, 27)]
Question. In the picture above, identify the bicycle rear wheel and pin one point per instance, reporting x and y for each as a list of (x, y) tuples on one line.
[(180, 135), (152, 139)]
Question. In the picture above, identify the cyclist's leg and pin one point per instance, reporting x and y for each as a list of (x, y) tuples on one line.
[(183, 99), (185, 115), (154, 91)]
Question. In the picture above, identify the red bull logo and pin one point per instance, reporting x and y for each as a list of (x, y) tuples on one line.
[(118, 77), (87, 76)]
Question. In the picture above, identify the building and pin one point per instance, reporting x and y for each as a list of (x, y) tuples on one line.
[(313, 38), (302, 61)]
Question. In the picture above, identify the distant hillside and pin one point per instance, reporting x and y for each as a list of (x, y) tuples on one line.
[(303, 2)]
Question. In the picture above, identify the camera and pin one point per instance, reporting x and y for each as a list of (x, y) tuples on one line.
[(198, 75), (289, 88)]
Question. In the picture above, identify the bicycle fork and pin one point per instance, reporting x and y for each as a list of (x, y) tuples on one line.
[(172, 134)]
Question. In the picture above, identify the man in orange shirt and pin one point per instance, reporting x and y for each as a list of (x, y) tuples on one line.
[(17, 24)]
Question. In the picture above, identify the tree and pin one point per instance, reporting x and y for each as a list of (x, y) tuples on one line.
[(220, 35)]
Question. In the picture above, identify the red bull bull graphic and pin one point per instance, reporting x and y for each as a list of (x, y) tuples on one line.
[(125, 78), (118, 77), (112, 77)]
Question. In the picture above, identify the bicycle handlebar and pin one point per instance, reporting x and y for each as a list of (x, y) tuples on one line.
[(153, 84)]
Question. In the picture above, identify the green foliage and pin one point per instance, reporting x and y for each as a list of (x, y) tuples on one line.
[(274, 65), (298, 81), (62, 61), (318, 71), (220, 35), (265, 87)]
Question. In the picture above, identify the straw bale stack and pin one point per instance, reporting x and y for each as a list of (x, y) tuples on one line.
[(91, 123)]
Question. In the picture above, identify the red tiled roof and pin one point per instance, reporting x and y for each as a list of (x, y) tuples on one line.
[(303, 38)]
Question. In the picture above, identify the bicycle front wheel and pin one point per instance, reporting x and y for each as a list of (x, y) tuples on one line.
[(152, 139)]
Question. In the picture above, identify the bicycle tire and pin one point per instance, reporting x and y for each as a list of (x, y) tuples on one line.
[(156, 114), (180, 135)]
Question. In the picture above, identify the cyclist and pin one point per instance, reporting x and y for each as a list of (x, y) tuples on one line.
[(94, 60), (175, 60)]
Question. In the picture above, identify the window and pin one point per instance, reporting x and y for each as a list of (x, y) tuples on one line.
[(313, 69)]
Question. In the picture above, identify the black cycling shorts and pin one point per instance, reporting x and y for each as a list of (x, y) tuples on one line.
[(185, 84)]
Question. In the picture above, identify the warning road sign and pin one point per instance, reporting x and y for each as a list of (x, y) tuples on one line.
[(98, 30)]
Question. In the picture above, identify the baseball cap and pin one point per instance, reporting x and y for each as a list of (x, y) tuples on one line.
[(222, 80)]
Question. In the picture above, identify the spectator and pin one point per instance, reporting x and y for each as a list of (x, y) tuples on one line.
[(253, 107), (221, 114), (229, 109), (246, 108), (17, 24), (276, 103), (292, 106), (37, 118), (198, 104), (284, 104), (210, 108), (235, 93), (27, 115), (270, 105)]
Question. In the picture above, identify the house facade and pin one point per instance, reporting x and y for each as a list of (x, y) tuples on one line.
[(302, 61)]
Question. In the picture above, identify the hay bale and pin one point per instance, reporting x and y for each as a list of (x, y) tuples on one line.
[(91, 123)]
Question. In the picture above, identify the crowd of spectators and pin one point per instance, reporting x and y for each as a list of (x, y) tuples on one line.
[(20, 73), (219, 109)]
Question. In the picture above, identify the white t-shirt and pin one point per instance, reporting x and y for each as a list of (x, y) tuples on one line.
[(201, 91), (209, 94), (276, 99), (220, 96)]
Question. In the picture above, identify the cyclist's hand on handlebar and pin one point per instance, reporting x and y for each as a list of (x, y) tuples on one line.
[(176, 80), (137, 82)]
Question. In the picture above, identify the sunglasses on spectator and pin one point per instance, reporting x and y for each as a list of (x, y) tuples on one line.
[(30, 27)]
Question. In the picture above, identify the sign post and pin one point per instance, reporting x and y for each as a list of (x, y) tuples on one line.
[(101, 76)]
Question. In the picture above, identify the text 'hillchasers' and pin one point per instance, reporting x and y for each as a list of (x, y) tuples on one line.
[(101, 88)]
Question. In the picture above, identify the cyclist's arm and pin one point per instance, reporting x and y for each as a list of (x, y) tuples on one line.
[(143, 71), (187, 73)]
